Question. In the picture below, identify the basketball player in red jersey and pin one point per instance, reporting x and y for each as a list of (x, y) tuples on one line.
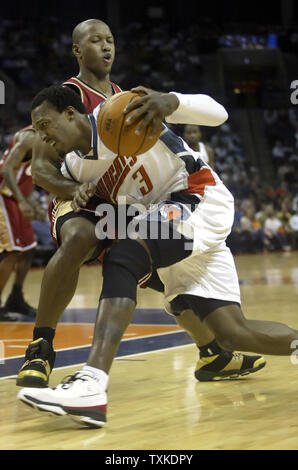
[(93, 47), (17, 241)]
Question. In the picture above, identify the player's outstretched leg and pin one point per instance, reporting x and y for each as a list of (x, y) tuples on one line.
[(215, 363), (234, 332)]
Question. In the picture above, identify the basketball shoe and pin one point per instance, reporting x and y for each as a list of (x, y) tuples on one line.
[(80, 396), (17, 304), (227, 365), (5, 316), (39, 362)]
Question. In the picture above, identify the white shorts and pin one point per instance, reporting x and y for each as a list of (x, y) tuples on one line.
[(211, 274), (210, 270)]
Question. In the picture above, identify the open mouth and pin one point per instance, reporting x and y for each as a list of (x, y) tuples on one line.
[(50, 142), (107, 58)]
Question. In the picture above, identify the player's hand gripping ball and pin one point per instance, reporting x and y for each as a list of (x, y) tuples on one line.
[(116, 134)]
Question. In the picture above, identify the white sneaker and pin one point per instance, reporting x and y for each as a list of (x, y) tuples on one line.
[(80, 396)]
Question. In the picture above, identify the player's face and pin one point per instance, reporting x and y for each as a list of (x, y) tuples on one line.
[(96, 50), (54, 128), (192, 135)]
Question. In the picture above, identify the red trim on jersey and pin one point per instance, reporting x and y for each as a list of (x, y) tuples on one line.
[(199, 180), (90, 96)]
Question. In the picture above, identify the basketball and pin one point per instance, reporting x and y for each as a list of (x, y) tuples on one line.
[(116, 134)]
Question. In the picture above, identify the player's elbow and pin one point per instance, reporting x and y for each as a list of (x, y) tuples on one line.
[(37, 175), (221, 116)]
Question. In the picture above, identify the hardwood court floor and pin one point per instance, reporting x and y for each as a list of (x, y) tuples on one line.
[(155, 401)]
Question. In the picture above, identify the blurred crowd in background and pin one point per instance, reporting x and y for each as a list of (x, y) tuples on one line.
[(166, 59)]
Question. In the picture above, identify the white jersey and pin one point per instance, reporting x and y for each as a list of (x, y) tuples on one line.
[(168, 167), (203, 152)]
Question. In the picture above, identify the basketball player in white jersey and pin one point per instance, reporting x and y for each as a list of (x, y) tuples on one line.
[(209, 222), (74, 233), (193, 137)]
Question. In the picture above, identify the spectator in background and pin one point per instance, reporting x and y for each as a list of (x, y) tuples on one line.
[(193, 136), (251, 231), (276, 238), (284, 215), (293, 223)]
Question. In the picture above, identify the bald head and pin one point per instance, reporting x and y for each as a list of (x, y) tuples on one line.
[(94, 48), (83, 28)]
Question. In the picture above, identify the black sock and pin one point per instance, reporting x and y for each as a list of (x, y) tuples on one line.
[(44, 332), (210, 349), (16, 290)]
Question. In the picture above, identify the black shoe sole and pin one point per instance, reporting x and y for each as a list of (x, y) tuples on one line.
[(209, 376), (32, 382)]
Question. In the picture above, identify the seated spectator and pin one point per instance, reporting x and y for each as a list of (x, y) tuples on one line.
[(276, 238), (284, 215), (251, 232), (293, 223)]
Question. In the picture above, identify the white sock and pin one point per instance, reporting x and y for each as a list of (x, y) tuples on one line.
[(99, 375)]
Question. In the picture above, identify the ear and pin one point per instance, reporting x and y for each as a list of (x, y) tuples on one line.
[(76, 51), (69, 113)]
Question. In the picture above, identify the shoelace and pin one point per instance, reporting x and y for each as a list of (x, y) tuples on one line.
[(70, 379), (238, 356), (34, 353)]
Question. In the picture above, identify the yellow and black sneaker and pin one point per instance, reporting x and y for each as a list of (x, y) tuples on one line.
[(39, 362), (227, 365)]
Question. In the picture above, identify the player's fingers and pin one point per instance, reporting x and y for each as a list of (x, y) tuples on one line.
[(145, 122), (80, 199), (141, 90), (137, 103), (91, 189), (75, 206), (82, 194), (78, 202), (136, 116), (155, 125)]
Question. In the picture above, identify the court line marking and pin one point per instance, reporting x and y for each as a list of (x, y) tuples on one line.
[(117, 358), (126, 339), (120, 357)]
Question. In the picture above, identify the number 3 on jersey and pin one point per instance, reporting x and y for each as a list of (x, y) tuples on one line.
[(143, 179)]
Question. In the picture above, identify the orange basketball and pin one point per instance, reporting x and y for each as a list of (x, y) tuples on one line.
[(118, 136)]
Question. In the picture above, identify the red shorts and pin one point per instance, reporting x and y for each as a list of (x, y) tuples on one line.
[(16, 233)]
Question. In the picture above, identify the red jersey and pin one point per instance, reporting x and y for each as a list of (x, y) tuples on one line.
[(89, 95), (22, 174)]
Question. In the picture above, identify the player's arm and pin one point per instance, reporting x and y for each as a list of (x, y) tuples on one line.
[(46, 173), (22, 146), (175, 108)]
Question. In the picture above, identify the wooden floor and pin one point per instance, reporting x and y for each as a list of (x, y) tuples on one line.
[(155, 401)]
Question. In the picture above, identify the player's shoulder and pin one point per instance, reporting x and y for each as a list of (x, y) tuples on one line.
[(74, 84)]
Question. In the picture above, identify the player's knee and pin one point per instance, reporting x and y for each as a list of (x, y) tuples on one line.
[(77, 245), (123, 267)]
